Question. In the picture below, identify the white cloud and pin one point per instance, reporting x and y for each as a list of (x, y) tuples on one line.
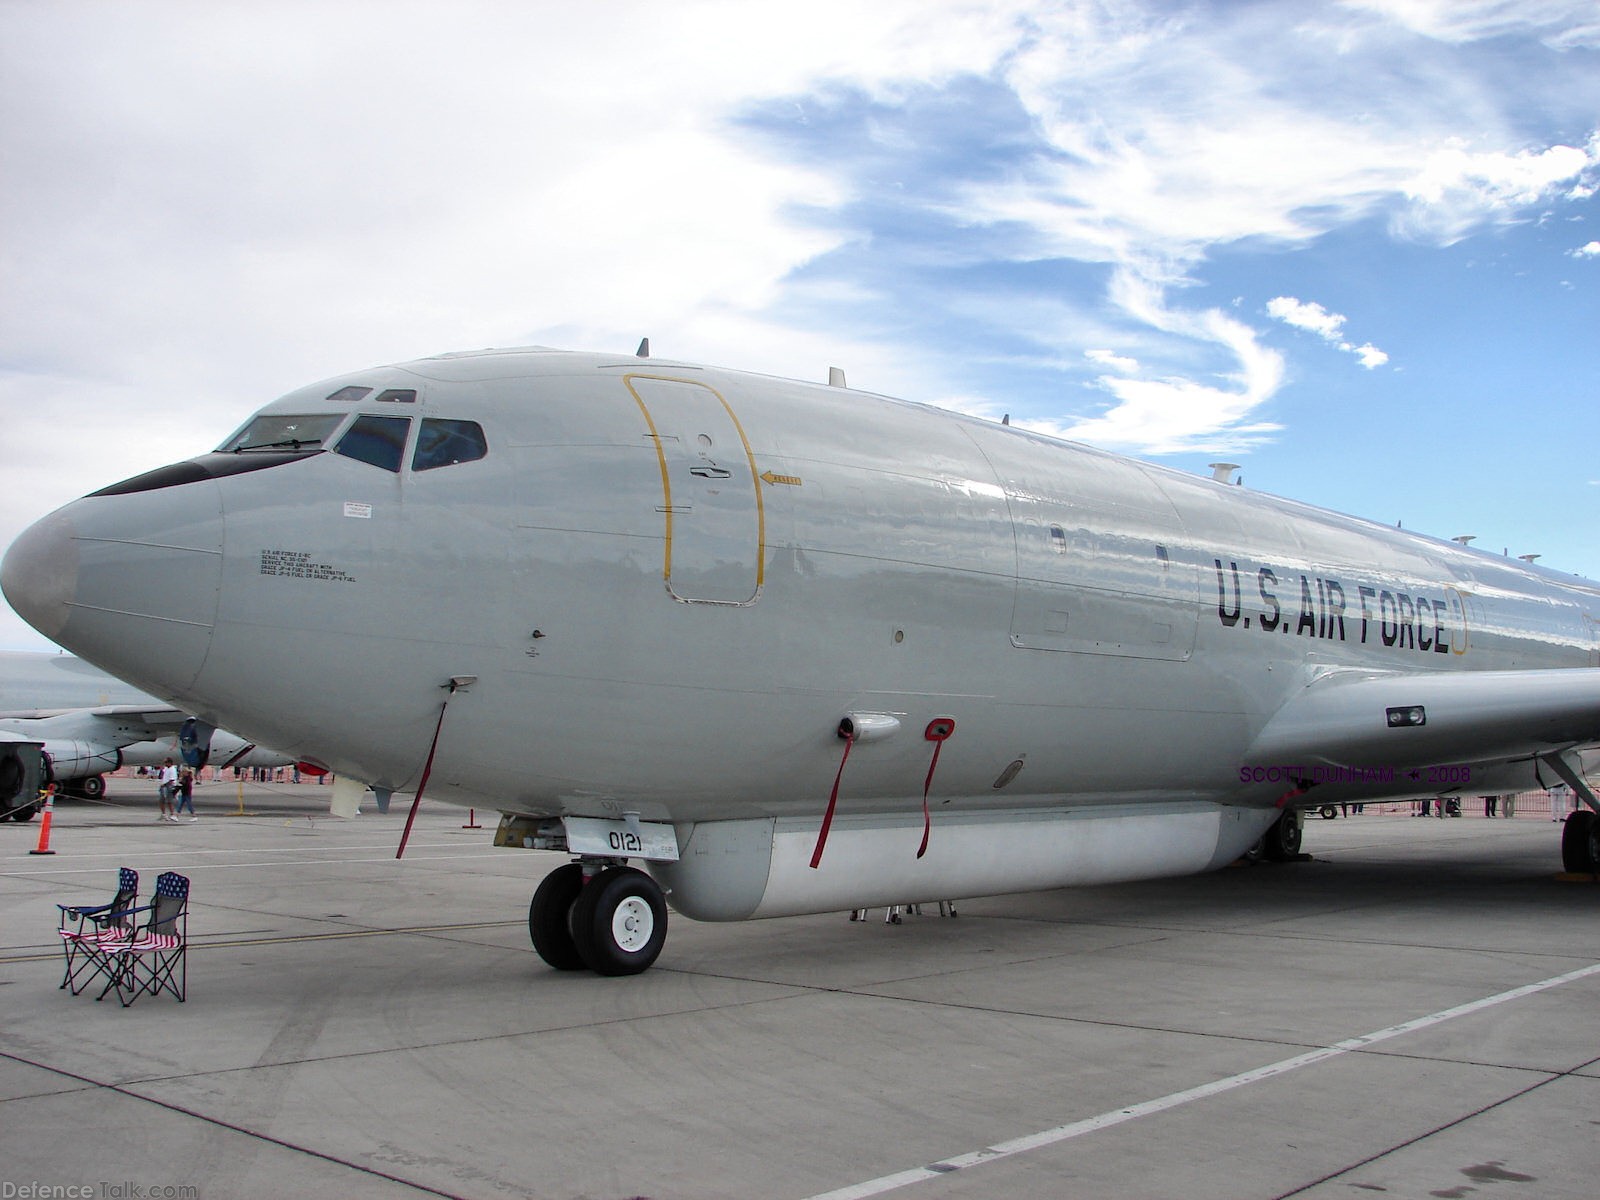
[(1173, 133), (1176, 415), (1312, 317), (1458, 189), (1562, 24), (1116, 362), (1307, 315), (1587, 250)]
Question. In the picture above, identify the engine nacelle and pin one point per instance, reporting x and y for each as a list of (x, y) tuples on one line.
[(68, 760), (734, 870)]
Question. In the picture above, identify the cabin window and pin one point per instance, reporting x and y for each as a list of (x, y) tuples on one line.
[(1058, 539), (281, 431), (380, 441), (445, 443)]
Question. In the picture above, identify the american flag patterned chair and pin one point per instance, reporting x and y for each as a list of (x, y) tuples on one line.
[(154, 959), (88, 931)]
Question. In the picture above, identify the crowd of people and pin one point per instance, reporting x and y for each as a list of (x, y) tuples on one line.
[(176, 784)]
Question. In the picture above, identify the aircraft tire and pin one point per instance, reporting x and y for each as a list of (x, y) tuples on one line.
[(1282, 840), (91, 787), (619, 922), (549, 914), (1580, 843)]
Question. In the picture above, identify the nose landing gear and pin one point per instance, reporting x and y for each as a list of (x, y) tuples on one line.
[(602, 915)]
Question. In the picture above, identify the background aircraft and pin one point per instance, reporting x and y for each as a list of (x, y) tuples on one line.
[(800, 649), (87, 723)]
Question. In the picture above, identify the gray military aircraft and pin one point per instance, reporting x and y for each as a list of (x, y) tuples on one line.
[(798, 648), (86, 723), (80, 718)]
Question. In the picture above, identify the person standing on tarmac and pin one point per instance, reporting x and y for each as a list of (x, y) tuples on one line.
[(167, 789), (185, 794)]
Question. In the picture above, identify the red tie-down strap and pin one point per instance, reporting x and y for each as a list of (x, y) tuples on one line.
[(847, 732), (938, 731), (1300, 788), (427, 770)]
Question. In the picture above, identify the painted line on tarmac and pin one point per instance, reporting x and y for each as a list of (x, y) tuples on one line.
[(332, 848), (191, 868), (217, 943), (1063, 1133), (387, 845)]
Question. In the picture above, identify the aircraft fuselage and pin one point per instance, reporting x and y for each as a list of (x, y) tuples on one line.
[(669, 583)]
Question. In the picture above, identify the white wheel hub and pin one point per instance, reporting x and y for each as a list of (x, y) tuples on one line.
[(633, 924)]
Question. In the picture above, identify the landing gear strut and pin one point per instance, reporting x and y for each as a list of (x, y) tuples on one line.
[(605, 916)]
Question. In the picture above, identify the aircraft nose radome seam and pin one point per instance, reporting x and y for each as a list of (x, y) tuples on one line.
[(39, 575)]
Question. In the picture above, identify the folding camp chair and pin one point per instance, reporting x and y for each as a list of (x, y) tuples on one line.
[(86, 929), (154, 960)]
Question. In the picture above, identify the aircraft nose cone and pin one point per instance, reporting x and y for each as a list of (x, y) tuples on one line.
[(129, 582), (40, 574)]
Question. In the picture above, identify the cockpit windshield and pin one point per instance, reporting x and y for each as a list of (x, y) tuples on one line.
[(282, 431)]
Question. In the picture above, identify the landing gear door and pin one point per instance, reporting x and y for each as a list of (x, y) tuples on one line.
[(711, 501)]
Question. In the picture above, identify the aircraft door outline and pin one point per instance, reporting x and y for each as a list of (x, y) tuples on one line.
[(713, 512)]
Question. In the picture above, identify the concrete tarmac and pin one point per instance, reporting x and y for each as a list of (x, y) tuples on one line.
[(1410, 1014)]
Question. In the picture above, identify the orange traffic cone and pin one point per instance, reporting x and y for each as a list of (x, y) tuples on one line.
[(44, 830)]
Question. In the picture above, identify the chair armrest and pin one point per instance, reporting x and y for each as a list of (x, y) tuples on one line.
[(82, 910)]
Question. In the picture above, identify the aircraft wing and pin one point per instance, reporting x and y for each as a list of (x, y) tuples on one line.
[(111, 724), (1356, 719)]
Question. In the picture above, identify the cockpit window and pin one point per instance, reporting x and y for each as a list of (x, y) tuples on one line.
[(281, 431), (398, 396), (350, 393), (380, 441), (445, 443)]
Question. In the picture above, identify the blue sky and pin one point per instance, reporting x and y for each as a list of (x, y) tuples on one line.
[(1352, 246)]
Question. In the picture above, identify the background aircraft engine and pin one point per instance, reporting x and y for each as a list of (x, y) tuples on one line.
[(734, 870), (71, 760)]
